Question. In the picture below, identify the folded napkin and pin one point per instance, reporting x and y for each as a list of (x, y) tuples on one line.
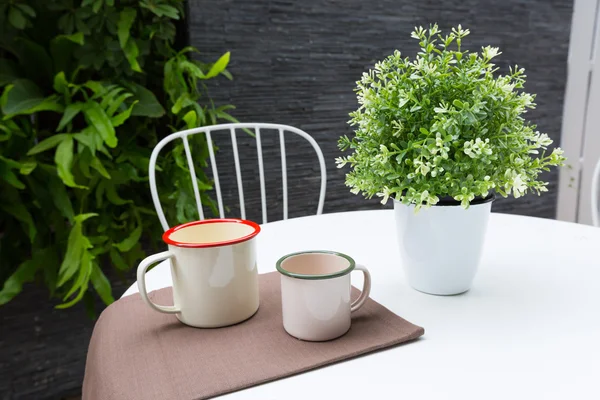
[(138, 353)]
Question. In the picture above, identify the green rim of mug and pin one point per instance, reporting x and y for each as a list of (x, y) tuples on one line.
[(320, 276)]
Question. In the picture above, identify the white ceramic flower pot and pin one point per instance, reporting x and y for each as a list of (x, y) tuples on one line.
[(440, 247)]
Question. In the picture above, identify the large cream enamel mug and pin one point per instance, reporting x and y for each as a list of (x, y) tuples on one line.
[(213, 265)]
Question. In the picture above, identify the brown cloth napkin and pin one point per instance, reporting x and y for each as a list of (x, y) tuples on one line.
[(138, 353)]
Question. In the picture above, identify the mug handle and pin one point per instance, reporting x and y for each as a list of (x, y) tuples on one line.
[(141, 281), (358, 303)]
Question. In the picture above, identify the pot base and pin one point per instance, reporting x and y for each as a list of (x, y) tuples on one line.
[(441, 293)]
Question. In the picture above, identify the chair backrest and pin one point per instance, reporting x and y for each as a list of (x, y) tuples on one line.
[(595, 187), (207, 130)]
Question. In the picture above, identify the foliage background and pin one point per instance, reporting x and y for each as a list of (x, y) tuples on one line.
[(88, 87)]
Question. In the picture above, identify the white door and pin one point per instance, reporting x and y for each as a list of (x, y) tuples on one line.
[(580, 137)]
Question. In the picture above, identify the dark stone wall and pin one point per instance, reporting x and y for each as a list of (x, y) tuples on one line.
[(297, 63), (42, 349)]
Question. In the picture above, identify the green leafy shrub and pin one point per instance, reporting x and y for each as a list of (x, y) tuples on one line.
[(87, 89), (444, 125)]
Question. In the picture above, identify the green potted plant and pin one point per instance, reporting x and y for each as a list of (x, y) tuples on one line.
[(441, 135)]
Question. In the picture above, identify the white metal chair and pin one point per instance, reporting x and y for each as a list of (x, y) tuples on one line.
[(183, 135), (595, 184)]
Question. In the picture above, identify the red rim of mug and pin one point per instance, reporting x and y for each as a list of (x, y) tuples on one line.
[(166, 236)]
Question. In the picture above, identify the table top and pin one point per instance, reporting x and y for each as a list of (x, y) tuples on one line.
[(528, 328)]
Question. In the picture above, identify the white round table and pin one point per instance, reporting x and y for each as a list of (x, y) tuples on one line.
[(528, 329)]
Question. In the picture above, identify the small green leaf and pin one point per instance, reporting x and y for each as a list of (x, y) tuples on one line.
[(128, 243), (202, 116), (87, 137), (116, 103), (70, 112), (190, 67), (219, 66), (84, 217), (113, 196), (60, 83), (97, 165), (77, 38), (470, 118), (16, 18), (190, 119), (98, 240), (120, 118), (161, 10), (103, 150), (109, 96), (147, 211), (126, 18), (84, 271), (6, 135), (188, 49), (64, 160), (131, 52), (82, 282), (97, 6), (51, 103), (95, 87), (118, 260), (182, 102), (147, 105), (14, 284), (27, 167), (230, 118), (26, 9), (84, 160), (101, 284), (75, 300), (457, 103), (227, 74), (60, 198), (25, 97), (10, 162), (168, 11), (9, 176), (100, 190), (97, 117), (76, 245), (48, 143)]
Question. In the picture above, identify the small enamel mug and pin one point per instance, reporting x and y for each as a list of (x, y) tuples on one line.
[(315, 294), (213, 265)]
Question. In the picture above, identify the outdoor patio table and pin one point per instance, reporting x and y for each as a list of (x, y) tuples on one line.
[(528, 329)]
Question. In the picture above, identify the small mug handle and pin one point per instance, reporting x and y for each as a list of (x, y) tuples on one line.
[(141, 281), (358, 303)]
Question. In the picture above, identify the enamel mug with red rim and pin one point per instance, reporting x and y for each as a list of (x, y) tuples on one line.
[(213, 266)]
